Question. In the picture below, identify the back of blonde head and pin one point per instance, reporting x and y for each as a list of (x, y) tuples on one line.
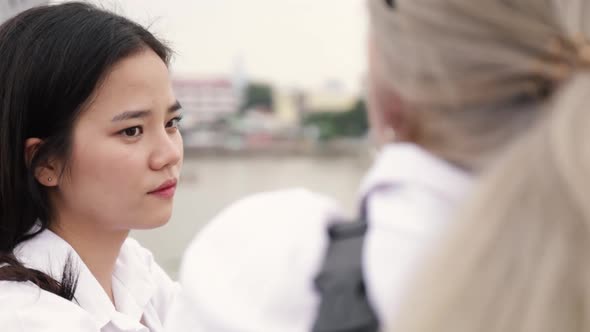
[(516, 260), (475, 71)]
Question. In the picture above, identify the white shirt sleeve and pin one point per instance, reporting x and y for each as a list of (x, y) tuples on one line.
[(252, 268), (24, 307)]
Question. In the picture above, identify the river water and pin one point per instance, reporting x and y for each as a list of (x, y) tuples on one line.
[(209, 183)]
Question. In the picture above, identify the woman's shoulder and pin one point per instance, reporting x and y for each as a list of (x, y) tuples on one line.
[(277, 219), (26, 307), (257, 258), (275, 216), (298, 206)]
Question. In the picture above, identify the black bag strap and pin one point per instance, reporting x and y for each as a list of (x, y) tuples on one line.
[(344, 305), (364, 205)]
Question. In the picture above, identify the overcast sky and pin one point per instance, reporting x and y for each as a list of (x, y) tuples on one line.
[(290, 42)]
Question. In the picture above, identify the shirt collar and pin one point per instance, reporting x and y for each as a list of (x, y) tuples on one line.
[(402, 164), (132, 281), (47, 252)]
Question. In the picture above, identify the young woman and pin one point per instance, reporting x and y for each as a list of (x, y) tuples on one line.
[(89, 149)]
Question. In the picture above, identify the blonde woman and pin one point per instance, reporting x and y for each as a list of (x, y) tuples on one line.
[(457, 81), (516, 259)]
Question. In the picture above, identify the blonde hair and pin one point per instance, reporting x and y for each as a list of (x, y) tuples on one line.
[(516, 260), (475, 72)]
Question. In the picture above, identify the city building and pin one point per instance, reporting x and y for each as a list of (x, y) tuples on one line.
[(205, 101), (328, 100), (286, 107)]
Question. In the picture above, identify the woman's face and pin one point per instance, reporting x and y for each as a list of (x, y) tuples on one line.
[(126, 152)]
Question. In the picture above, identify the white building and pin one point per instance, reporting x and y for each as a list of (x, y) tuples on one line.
[(327, 100), (205, 101), (9, 8)]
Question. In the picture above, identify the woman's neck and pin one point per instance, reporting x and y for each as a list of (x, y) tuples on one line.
[(97, 247)]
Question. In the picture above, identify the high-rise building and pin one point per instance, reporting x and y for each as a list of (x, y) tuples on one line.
[(9, 8)]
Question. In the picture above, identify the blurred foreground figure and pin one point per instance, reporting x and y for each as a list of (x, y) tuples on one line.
[(453, 84)]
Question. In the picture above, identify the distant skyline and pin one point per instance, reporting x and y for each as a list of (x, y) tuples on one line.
[(294, 43)]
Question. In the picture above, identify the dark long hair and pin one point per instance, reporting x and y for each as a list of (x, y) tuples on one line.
[(52, 58)]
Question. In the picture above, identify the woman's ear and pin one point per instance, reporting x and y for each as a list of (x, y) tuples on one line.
[(388, 115), (45, 174)]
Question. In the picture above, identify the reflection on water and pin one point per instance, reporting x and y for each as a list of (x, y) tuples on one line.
[(209, 183)]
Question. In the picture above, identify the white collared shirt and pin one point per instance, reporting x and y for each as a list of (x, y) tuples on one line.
[(252, 268), (406, 219), (142, 292)]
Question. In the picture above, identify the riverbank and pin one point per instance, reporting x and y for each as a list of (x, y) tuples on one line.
[(330, 149)]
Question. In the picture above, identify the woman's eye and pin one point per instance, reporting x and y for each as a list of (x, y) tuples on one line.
[(174, 122), (132, 131)]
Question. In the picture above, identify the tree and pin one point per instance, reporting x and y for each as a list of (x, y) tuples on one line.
[(351, 123), (258, 95)]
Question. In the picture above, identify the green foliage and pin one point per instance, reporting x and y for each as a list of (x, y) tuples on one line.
[(351, 123), (258, 95)]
